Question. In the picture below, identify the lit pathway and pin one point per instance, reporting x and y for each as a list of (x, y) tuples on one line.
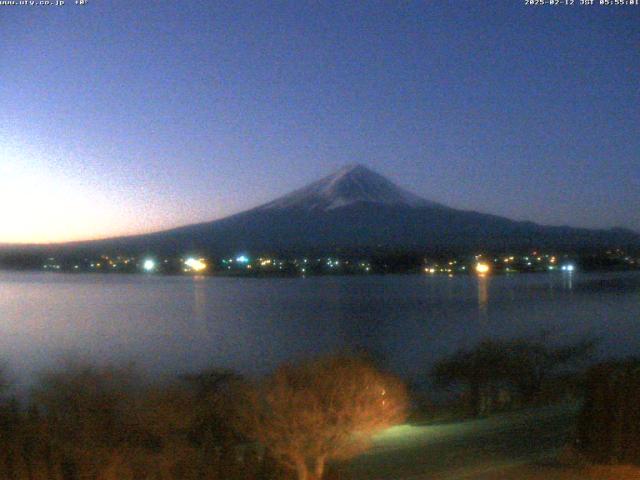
[(465, 450)]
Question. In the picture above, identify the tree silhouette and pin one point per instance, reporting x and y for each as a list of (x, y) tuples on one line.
[(524, 364)]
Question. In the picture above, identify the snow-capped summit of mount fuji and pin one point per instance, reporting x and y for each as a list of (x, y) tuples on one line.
[(350, 185)]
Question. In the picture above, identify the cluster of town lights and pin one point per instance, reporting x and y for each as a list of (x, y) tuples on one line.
[(480, 265), (191, 264)]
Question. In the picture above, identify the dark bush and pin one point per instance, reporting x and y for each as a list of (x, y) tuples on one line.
[(496, 373), (102, 423)]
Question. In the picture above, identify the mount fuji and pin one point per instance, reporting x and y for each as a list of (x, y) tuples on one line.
[(358, 210)]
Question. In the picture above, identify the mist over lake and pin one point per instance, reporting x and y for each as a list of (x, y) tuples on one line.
[(169, 325)]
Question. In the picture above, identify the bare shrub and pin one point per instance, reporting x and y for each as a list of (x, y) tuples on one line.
[(321, 410)]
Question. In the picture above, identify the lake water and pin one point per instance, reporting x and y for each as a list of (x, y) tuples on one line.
[(176, 324)]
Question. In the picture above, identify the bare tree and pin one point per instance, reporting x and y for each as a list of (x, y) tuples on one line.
[(321, 410)]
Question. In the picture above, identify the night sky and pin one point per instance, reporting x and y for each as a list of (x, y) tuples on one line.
[(131, 116)]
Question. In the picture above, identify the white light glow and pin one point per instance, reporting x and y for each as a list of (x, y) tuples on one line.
[(149, 265)]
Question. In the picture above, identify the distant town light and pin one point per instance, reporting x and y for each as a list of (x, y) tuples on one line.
[(242, 259), (149, 265), (482, 268), (195, 264)]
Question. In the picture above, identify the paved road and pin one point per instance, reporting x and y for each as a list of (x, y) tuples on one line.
[(465, 450)]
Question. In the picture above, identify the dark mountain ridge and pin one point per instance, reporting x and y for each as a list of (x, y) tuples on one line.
[(356, 210)]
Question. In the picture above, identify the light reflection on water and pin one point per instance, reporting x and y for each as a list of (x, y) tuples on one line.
[(172, 324), (483, 295)]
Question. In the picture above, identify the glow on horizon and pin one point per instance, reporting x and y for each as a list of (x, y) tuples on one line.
[(40, 204), (44, 208), (40, 207)]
